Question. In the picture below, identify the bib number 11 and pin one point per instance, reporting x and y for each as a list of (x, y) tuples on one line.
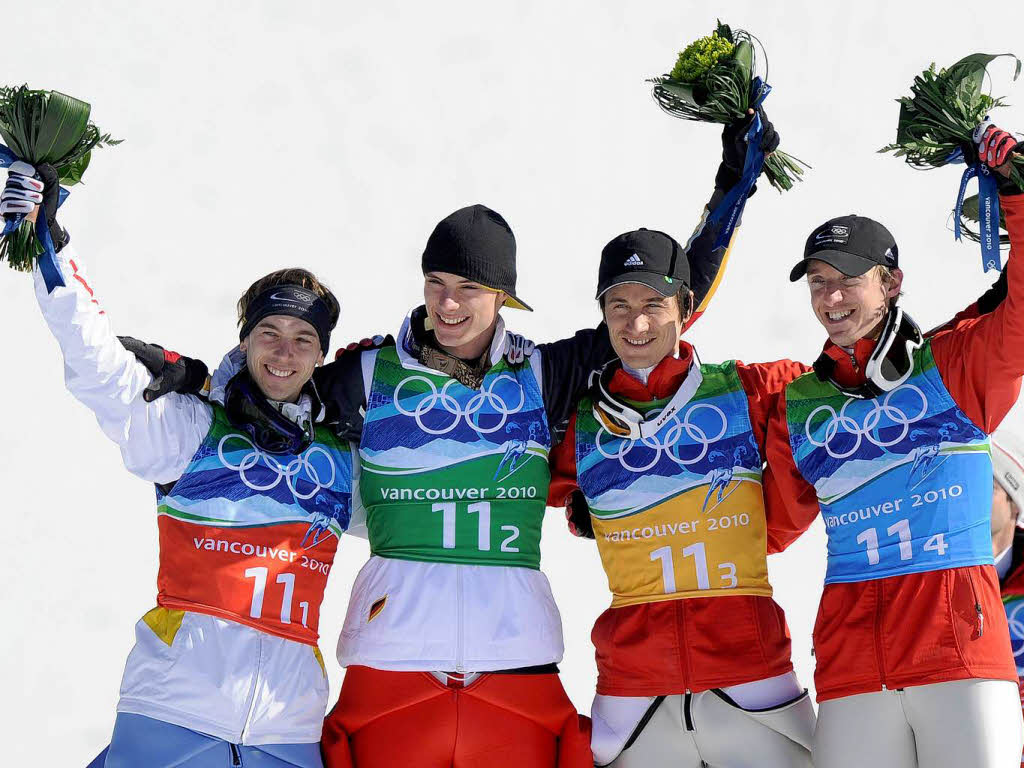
[(482, 509), (726, 571), (901, 529)]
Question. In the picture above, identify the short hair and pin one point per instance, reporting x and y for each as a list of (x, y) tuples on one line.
[(303, 278)]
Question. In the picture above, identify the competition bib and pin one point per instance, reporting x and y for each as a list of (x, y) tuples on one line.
[(251, 536), (904, 481), (453, 474), (679, 514)]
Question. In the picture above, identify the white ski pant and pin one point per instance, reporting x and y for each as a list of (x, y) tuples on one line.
[(701, 729), (960, 723)]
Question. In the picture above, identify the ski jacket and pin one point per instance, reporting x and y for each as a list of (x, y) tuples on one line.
[(246, 543), (451, 488), (663, 641), (934, 625)]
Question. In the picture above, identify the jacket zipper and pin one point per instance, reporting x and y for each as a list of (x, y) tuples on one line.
[(977, 604), (878, 634), (459, 665), (236, 755), (252, 693)]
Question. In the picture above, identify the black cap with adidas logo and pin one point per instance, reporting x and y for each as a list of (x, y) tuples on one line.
[(644, 256)]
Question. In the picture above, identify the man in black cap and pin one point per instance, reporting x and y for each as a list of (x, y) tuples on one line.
[(693, 655), (888, 439)]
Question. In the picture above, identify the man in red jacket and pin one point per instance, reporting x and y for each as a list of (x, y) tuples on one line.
[(693, 655), (888, 439), (1008, 535)]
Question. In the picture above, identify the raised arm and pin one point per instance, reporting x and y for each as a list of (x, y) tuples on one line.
[(981, 360), (158, 439), (709, 246)]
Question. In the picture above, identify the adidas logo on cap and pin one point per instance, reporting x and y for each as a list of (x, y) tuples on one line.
[(633, 261)]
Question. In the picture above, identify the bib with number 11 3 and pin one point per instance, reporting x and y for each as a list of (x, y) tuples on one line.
[(678, 514)]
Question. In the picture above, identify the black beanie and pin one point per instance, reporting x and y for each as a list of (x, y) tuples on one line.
[(475, 243)]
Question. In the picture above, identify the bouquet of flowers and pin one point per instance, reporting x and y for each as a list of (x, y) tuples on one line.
[(714, 80), (936, 127), (43, 127)]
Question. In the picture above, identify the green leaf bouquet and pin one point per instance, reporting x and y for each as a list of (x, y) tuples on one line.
[(714, 80), (944, 107), (43, 127)]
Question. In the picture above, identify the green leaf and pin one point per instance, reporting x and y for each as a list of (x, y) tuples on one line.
[(72, 173), (63, 124), (744, 58)]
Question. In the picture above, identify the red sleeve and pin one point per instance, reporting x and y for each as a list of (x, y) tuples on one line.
[(562, 460), (981, 360), (764, 383), (791, 503)]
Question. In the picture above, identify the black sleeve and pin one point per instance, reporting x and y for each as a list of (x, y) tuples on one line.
[(566, 365), (340, 386)]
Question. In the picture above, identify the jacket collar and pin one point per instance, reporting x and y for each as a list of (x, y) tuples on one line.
[(663, 381)]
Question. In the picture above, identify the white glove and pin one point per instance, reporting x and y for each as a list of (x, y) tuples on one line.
[(517, 348), (22, 193)]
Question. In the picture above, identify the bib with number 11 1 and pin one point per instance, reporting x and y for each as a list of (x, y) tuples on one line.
[(904, 480), (678, 514)]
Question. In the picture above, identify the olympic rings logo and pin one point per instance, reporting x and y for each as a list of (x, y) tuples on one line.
[(471, 412), (667, 440), (299, 468), (1015, 619), (848, 424)]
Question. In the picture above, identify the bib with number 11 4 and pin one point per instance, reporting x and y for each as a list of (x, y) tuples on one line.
[(904, 480), (678, 514)]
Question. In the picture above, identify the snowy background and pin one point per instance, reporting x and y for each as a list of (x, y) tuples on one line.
[(334, 136)]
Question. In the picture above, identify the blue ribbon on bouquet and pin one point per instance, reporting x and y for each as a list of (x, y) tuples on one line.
[(727, 212), (52, 276), (988, 209)]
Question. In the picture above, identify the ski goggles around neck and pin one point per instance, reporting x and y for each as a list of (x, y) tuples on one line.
[(891, 361), (249, 410), (622, 420)]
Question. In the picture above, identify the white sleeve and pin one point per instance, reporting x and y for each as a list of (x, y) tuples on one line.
[(158, 439)]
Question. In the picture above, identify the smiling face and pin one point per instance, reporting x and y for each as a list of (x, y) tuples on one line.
[(850, 307), (644, 325), (463, 313), (281, 353)]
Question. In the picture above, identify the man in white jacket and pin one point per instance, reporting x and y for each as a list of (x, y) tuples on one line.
[(252, 496)]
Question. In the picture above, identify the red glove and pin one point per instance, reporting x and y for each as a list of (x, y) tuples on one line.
[(372, 343), (995, 146)]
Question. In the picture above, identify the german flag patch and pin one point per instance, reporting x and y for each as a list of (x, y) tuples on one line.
[(376, 608)]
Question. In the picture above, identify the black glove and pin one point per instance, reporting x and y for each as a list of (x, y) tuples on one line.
[(51, 198), (577, 515), (171, 372), (734, 148)]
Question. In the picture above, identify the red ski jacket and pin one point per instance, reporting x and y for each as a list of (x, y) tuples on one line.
[(938, 625), (693, 644)]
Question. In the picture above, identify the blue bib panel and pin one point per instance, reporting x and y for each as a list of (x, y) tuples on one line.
[(904, 480)]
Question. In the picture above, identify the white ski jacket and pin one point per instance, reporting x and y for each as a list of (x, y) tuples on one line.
[(190, 669)]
